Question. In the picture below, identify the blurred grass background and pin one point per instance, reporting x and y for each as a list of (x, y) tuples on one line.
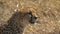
[(47, 10)]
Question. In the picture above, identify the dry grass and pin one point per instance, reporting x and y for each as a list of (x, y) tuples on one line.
[(47, 10)]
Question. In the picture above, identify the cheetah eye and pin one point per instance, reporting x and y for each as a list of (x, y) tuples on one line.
[(30, 13), (32, 20)]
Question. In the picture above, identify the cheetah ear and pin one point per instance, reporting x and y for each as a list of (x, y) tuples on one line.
[(35, 17)]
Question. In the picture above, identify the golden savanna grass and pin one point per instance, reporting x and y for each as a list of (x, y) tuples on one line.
[(47, 10)]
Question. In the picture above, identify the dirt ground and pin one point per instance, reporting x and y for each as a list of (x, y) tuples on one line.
[(47, 10)]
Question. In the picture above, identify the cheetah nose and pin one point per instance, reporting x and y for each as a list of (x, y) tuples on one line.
[(33, 20)]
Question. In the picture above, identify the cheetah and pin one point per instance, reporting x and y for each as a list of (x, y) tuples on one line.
[(31, 11), (17, 23)]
